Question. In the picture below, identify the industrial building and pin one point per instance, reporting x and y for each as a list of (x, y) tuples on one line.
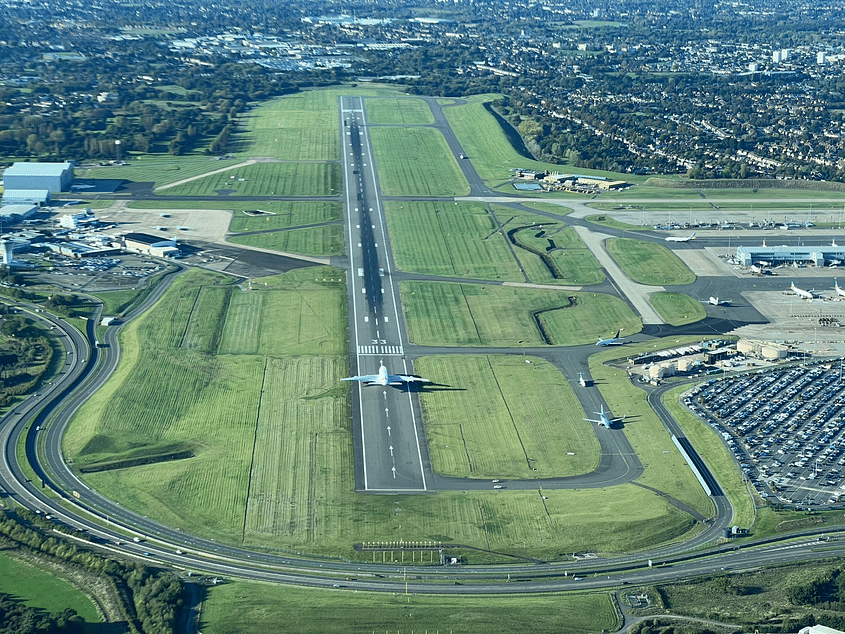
[(151, 245), (54, 177), (818, 256), (37, 197), (11, 214)]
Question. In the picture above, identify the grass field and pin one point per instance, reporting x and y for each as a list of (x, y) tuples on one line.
[(398, 111), (267, 179), (283, 214), (267, 421), (288, 609), (158, 169), (320, 241), (39, 588), (476, 315), (717, 457), (649, 263), (299, 127), (529, 408), (677, 309), (488, 147), (416, 162), (449, 239), (559, 255), (665, 468)]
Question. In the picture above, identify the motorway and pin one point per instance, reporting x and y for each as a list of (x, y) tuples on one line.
[(390, 457)]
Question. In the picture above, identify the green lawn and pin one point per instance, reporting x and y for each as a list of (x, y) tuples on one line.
[(489, 149), (266, 179), (416, 162), (529, 408), (489, 315), (160, 170), (398, 111), (449, 239), (559, 255), (283, 214), (677, 309), (306, 610), (41, 589), (318, 241), (649, 262)]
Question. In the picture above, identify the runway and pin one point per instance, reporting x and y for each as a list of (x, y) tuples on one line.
[(388, 433)]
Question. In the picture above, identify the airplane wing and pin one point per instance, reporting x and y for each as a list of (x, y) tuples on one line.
[(406, 378), (364, 378)]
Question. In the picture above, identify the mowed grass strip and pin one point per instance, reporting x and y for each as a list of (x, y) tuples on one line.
[(283, 214), (297, 127), (397, 111), (328, 612), (648, 262), (310, 319), (504, 418), (267, 179), (491, 315), (488, 147), (157, 169), (299, 439), (204, 322), (449, 239), (586, 319), (562, 256), (416, 162), (323, 240), (665, 467), (717, 457), (677, 309)]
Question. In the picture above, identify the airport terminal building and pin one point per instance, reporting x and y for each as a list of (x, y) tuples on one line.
[(815, 255)]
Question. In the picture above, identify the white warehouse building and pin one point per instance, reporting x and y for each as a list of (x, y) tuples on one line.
[(54, 177)]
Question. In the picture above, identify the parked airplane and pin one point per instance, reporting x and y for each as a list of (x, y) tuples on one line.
[(839, 290), (680, 239), (383, 378), (613, 341), (604, 419), (582, 380), (801, 292)]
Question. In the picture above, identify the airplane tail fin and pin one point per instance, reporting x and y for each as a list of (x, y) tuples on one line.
[(616, 336)]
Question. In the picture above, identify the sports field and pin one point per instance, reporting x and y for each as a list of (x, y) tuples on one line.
[(525, 403), (648, 262), (416, 162), (329, 611), (449, 239)]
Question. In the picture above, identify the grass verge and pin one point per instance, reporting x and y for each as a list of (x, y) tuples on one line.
[(649, 263)]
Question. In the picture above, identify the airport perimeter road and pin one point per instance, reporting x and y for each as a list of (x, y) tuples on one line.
[(387, 429)]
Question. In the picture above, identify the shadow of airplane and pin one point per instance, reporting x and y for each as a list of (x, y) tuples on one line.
[(430, 387)]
